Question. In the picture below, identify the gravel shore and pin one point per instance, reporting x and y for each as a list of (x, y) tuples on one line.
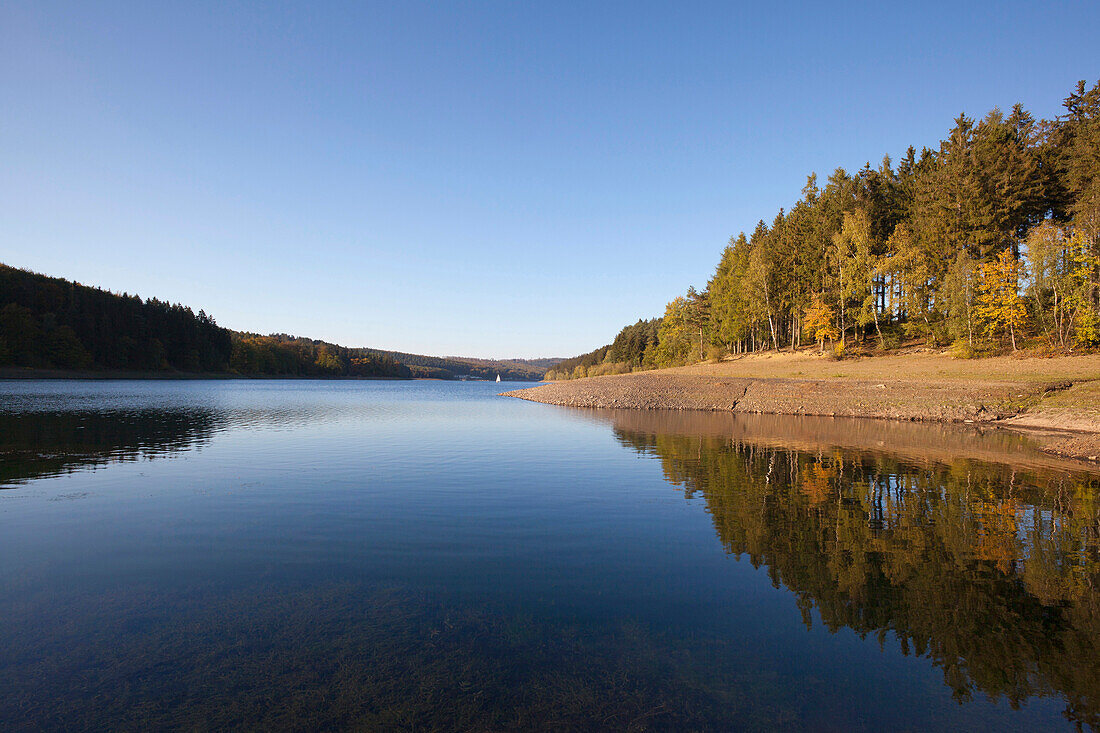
[(1018, 404)]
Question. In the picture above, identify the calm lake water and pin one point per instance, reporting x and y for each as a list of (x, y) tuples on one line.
[(427, 555)]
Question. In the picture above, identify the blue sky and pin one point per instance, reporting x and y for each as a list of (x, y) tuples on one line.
[(485, 179)]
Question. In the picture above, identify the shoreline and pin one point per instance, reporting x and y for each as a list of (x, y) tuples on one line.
[(932, 442), (14, 374), (1057, 401)]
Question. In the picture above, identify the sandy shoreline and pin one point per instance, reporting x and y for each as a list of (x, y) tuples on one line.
[(1058, 399)]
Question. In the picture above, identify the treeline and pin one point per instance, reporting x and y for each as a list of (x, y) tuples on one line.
[(51, 323), (517, 369), (294, 356), (633, 348), (989, 241), (456, 367)]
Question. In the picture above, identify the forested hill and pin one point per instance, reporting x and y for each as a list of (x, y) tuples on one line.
[(48, 322), (55, 324), (459, 367), (987, 242), (51, 323)]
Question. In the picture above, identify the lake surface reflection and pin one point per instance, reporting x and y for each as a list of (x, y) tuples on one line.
[(299, 555)]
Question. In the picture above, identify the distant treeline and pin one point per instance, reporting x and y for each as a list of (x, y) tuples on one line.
[(455, 367), (293, 356), (51, 323), (990, 241)]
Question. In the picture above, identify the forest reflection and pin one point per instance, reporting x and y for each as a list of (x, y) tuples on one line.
[(971, 549), (42, 444)]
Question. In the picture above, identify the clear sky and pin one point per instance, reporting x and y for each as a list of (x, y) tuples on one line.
[(477, 178)]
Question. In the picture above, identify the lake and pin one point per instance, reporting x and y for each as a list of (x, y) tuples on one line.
[(427, 555)]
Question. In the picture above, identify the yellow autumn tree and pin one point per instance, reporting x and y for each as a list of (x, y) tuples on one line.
[(674, 337), (1062, 264), (818, 322), (1000, 309)]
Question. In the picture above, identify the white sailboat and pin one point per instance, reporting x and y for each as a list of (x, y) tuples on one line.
[(498, 377)]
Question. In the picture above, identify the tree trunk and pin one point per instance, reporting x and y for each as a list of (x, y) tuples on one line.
[(969, 320), (1059, 322), (842, 324), (771, 318), (881, 341)]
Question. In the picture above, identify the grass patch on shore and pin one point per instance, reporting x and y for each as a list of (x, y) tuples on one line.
[(925, 367)]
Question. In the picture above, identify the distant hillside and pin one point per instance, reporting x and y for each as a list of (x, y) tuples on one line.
[(294, 356), (460, 367), (55, 324)]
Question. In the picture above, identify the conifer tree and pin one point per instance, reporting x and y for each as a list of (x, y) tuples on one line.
[(918, 249)]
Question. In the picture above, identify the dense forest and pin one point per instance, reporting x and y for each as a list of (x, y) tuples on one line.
[(47, 322), (990, 241), (51, 323)]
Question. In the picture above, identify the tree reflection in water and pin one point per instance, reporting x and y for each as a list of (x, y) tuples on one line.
[(989, 568), (971, 549), (42, 444)]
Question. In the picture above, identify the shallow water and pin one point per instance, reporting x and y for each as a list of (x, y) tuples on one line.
[(427, 555)]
